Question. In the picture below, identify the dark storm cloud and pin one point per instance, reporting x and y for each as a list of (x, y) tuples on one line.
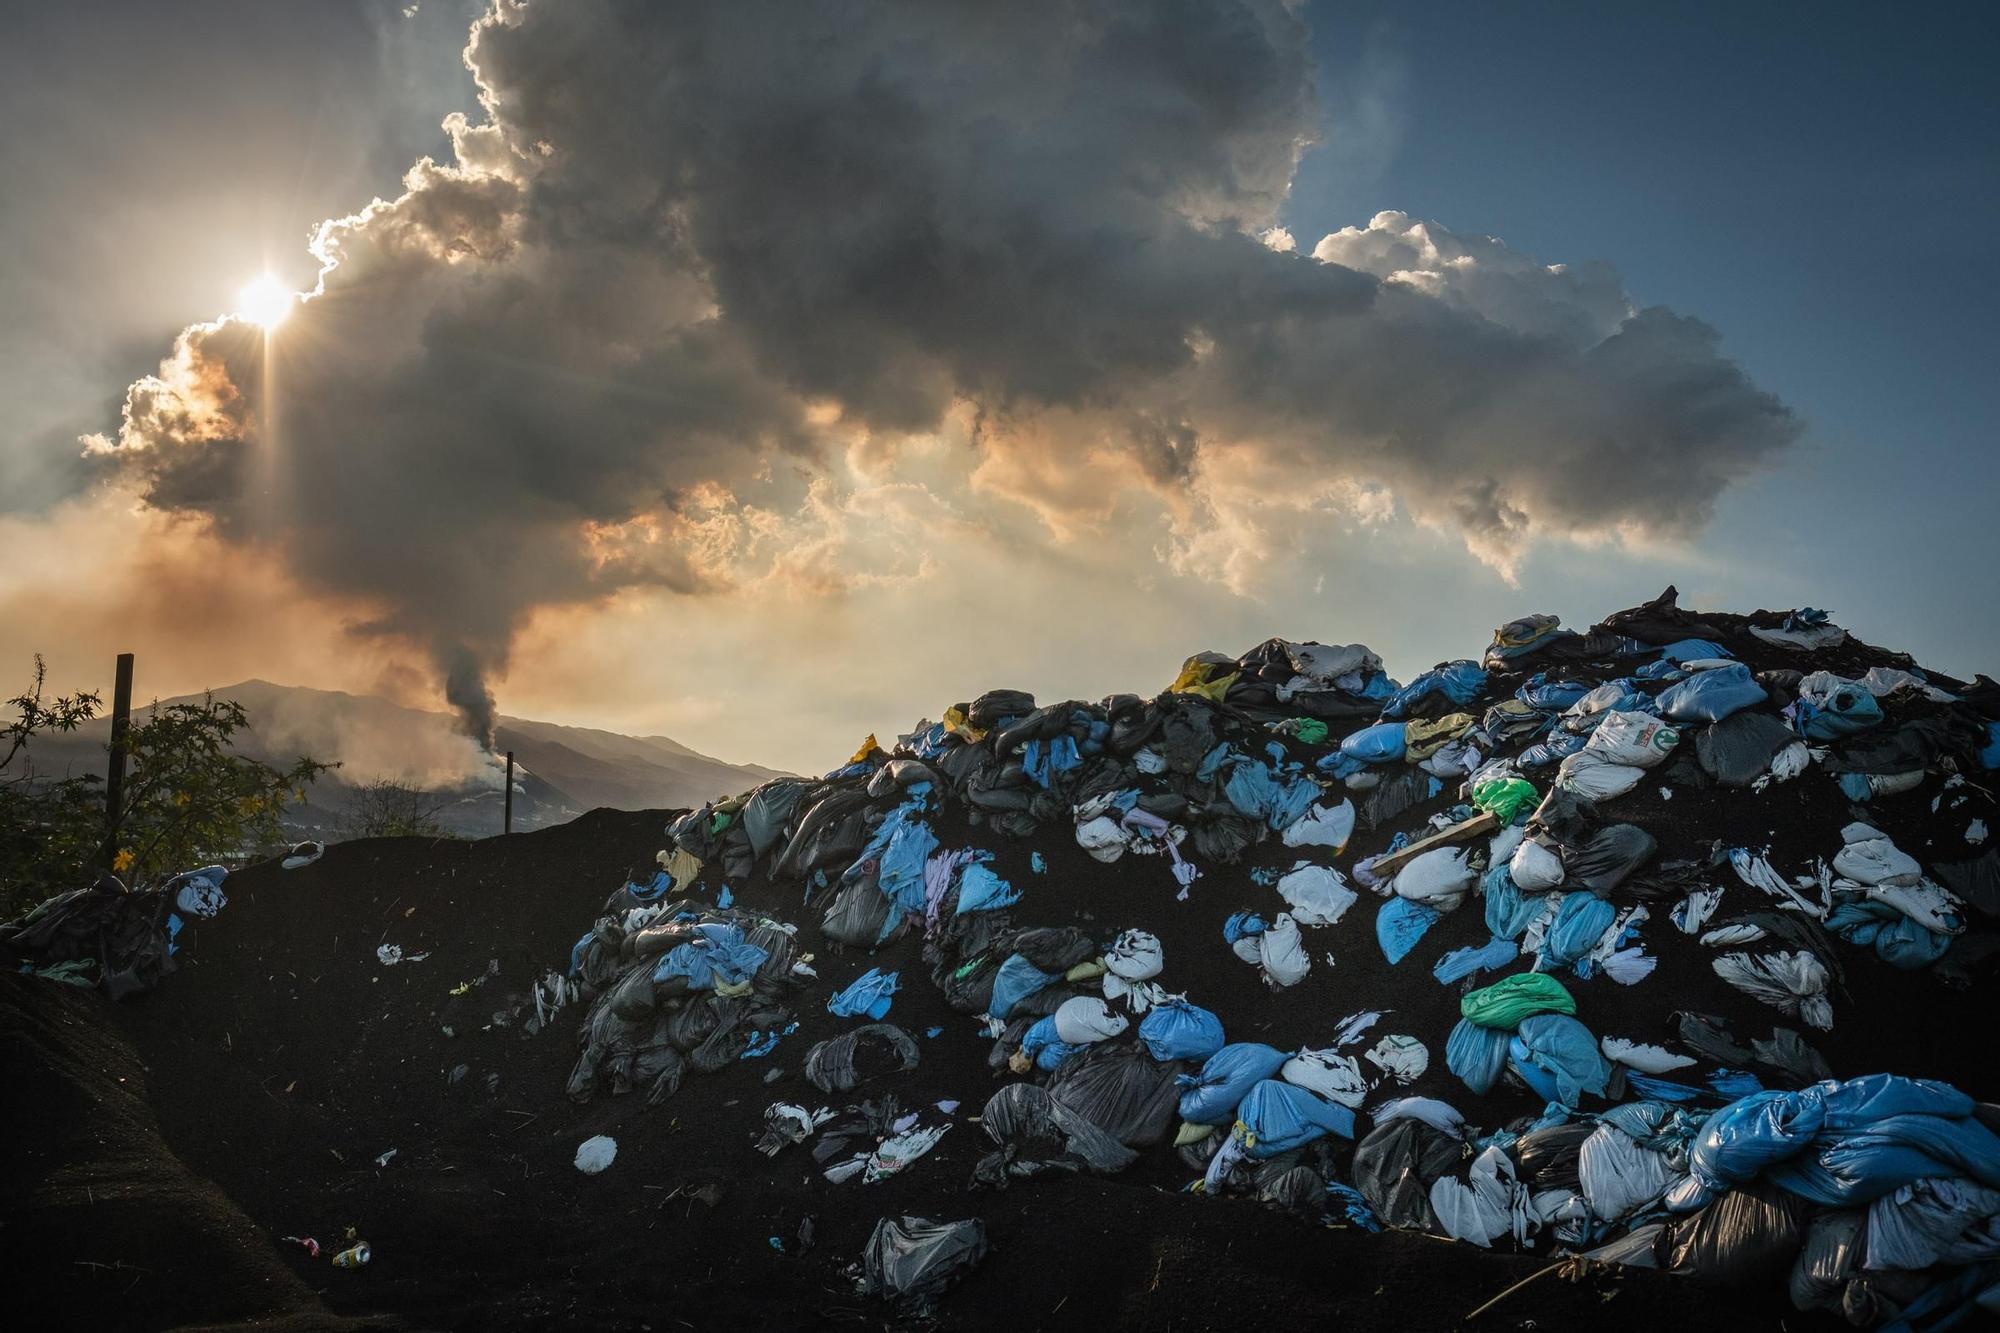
[(682, 232)]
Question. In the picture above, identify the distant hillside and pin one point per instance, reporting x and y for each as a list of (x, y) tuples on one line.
[(560, 771)]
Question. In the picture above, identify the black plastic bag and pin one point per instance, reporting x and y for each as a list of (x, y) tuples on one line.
[(857, 915), (1743, 1235), (1607, 858), (1738, 750), (1055, 949), (916, 1259), (1392, 796), (1122, 1090), (1394, 1167), (869, 1051), (1034, 1134), (1547, 1158), (987, 711), (831, 833)]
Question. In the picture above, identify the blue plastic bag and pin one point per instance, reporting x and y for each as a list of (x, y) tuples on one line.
[(1016, 980), (1710, 696), (1488, 957), (1476, 1054), (1043, 761), (1509, 912), (1400, 924), (1276, 1117), (1847, 711), (1047, 1050), (1562, 1048), (1581, 920), (1550, 696), (1383, 743), (1693, 650), (1459, 681), (718, 954), (1178, 1030), (1211, 1097), (868, 994), (1896, 939), (980, 890)]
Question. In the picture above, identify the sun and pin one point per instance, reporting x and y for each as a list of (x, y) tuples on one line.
[(264, 301)]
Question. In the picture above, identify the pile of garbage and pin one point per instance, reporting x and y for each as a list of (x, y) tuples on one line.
[(1689, 1145), (1659, 944)]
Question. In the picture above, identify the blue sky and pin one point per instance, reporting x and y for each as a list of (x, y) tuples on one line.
[(1821, 183)]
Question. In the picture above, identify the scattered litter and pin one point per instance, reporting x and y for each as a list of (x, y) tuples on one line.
[(594, 1154)]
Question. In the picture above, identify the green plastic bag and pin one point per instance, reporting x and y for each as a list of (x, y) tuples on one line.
[(1511, 999), (1505, 797)]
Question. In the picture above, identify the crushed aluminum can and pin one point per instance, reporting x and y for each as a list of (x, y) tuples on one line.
[(354, 1256)]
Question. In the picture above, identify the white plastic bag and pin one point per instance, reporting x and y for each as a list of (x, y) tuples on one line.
[(1284, 957), (1597, 776), (1317, 895), (1535, 868), (1400, 1056), (1792, 982), (1439, 878), (1333, 1076), (1637, 739), (1618, 1176), (1647, 1059), (1135, 955), (1323, 826), (1087, 1019), (1870, 858), (1103, 837)]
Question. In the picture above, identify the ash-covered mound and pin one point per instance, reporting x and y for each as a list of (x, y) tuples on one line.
[(1753, 857)]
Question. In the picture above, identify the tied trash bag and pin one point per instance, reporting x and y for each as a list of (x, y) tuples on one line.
[(1283, 954), (916, 1259), (1504, 797), (1382, 743), (1510, 1001), (1135, 955), (1634, 739), (1535, 867), (1711, 696), (1322, 826), (1178, 1030), (1439, 878), (1034, 1134), (1211, 1097), (1742, 1236), (1848, 1142), (1121, 1090), (1317, 895), (1607, 858), (1394, 1166), (1476, 1054), (1087, 1019), (1563, 1049), (1276, 1117)]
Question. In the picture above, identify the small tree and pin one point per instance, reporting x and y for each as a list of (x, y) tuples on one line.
[(387, 808), (49, 831), (188, 800)]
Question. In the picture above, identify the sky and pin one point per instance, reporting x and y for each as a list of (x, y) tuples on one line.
[(762, 387)]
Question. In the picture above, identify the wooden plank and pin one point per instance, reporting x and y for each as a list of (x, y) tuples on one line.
[(1483, 822)]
